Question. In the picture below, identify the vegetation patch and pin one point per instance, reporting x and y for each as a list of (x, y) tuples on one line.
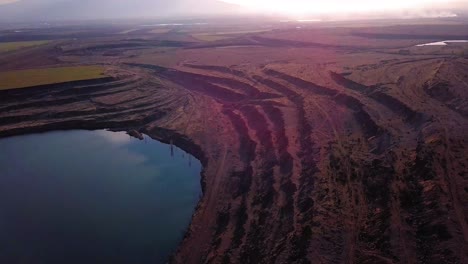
[(12, 46), (214, 36), (36, 77)]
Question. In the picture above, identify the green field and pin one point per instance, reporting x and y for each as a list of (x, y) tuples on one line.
[(34, 77), (11, 46)]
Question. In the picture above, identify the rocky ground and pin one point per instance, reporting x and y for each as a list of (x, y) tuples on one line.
[(315, 150)]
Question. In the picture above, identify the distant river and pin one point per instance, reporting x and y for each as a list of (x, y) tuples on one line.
[(93, 197)]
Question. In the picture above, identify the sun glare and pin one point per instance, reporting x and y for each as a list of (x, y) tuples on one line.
[(298, 7)]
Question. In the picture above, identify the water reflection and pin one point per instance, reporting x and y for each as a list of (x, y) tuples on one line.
[(441, 43), (93, 197), (116, 138)]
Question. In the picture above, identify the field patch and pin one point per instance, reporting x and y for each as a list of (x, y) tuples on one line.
[(224, 35), (210, 37), (35, 77), (240, 32), (159, 30), (12, 46)]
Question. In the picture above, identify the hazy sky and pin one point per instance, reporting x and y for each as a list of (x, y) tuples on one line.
[(7, 1), (334, 6), (96, 9)]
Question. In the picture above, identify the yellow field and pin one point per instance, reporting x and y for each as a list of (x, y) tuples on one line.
[(11, 46), (34, 77)]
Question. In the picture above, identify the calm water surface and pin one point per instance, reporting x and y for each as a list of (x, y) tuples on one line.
[(93, 197), (442, 43)]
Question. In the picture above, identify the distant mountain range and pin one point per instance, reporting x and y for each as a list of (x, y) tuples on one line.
[(47, 10)]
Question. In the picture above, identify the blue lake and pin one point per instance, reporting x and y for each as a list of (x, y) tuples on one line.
[(93, 197)]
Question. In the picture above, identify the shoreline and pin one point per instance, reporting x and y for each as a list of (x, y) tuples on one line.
[(162, 135)]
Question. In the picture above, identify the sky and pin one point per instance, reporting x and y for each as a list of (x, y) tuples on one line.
[(96, 9), (339, 6), (7, 1)]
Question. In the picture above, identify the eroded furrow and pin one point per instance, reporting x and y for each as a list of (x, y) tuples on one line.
[(220, 69), (300, 83), (211, 85), (369, 127), (390, 102)]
